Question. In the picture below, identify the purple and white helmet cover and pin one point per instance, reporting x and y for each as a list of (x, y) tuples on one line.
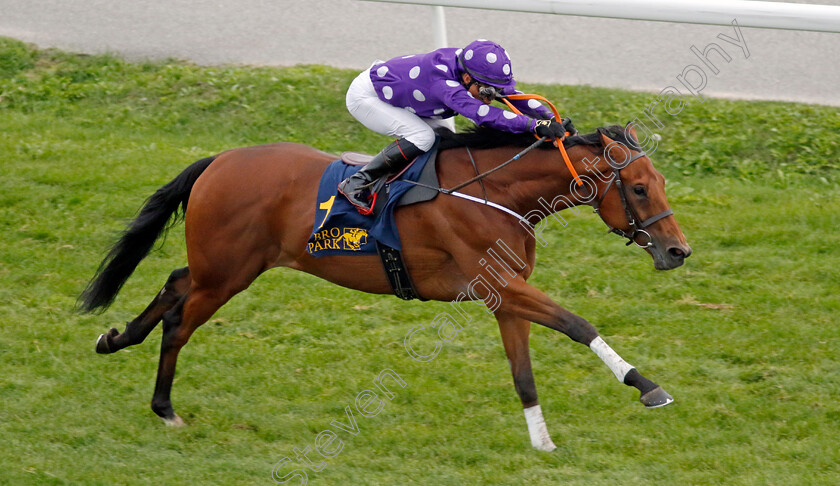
[(488, 63)]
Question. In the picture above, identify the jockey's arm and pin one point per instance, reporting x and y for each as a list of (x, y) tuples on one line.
[(459, 100), (532, 108)]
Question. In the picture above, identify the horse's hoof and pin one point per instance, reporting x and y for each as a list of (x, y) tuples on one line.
[(545, 446), (103, 342), (656, 398), (175, 421)]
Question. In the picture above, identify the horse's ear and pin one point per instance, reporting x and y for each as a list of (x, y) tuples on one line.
[(605, 140), (630, 129)]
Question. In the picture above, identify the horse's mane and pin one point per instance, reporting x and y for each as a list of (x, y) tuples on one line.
[(487, 138)]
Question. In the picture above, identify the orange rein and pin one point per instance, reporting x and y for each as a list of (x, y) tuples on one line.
[(556, 117)]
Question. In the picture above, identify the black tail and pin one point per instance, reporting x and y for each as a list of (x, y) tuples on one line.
[(139, 237)]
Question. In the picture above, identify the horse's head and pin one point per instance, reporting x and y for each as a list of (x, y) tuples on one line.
[(633, 202)]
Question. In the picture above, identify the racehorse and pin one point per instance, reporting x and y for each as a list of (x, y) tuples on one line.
[(251, 209)]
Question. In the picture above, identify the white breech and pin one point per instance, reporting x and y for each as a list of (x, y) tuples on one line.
[(375, 114)]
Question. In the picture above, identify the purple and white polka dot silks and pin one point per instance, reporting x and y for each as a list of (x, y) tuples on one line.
[(429, 85)]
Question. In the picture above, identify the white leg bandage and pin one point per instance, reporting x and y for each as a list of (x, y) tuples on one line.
[(611, 358), (536, 428)]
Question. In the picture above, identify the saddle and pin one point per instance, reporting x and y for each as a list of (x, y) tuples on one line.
[(425, 190), (339, 229)]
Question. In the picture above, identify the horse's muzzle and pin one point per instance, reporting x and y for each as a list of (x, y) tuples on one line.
[(673, 257)]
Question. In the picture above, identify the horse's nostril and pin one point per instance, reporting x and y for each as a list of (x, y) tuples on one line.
[(680, 252)]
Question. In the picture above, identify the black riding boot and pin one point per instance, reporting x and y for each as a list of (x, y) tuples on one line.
[(393, 158)]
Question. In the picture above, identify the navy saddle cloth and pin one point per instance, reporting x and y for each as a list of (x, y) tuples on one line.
[(339, 229)]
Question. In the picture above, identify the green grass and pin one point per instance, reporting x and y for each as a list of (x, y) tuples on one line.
[(744, 336)]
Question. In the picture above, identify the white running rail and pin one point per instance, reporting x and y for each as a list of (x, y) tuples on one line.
[(767, 15)]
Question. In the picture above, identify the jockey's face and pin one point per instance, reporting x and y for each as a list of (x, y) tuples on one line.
[(474, 88)]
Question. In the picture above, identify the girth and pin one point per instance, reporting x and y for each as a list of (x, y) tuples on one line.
[(397, 273)]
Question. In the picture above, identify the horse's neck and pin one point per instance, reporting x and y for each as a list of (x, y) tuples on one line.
[(537, 180)]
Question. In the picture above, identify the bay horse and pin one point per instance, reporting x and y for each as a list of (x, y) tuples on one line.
[(251, 209)]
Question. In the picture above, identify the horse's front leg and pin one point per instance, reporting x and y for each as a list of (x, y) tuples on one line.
[(528, 303), (515, 333)]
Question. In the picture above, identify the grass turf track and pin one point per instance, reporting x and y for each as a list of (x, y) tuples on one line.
[(744, 336)]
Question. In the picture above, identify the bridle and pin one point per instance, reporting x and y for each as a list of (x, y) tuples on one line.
[(633, 218)]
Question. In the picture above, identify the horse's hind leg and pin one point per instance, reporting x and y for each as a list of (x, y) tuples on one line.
[(193, 310), (137, 330)]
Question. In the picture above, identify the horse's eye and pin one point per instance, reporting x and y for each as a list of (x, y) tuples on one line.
[(640, 190)]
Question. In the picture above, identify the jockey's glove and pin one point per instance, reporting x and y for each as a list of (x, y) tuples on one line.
[(567, 125), (550, 128)]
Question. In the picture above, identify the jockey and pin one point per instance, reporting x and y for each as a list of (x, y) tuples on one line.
[(408, 97)]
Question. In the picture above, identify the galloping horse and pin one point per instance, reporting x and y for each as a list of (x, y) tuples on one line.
[(251, 209)]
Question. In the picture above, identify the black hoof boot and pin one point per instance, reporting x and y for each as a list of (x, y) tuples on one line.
[(105, 341), (163, 409), (656, 398), (652, 395)]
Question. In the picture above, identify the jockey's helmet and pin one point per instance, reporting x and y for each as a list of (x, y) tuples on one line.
[(488, 63)]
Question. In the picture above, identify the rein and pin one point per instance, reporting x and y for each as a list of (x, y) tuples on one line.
[(479, 178), (636, 226), (557, 143), (540, 140), (453, 191), (494, 169)]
